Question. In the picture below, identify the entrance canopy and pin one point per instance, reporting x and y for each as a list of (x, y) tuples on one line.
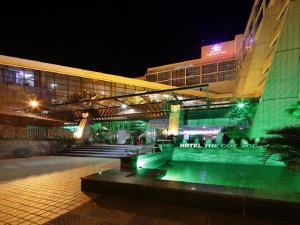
[(140, 105)]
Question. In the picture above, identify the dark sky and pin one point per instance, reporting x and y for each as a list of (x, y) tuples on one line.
[(120, 38)]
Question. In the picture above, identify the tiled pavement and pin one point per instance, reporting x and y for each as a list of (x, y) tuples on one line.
[(47, 190), (109, 210), (39, 189)]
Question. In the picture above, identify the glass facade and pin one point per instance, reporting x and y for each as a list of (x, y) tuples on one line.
[(53, 87), (198, 74)]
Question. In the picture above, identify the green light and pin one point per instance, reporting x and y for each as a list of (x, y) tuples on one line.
[(241, 105), (267, 177)]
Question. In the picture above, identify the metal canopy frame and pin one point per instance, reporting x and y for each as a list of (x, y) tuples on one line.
[(145, 109)]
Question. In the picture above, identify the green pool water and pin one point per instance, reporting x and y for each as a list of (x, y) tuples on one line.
[(234, 175)]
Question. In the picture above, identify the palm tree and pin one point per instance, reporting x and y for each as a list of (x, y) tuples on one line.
[(286, 142)]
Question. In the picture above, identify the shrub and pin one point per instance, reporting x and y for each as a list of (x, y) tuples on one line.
[(243, 111), (236, 132)]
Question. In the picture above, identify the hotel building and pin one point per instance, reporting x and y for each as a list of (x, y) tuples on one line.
[(216, 67), (263, 62)]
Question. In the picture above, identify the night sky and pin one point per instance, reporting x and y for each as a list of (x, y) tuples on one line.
[(120, 38)]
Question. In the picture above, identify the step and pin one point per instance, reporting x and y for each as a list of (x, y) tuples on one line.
[(111, 147), (99, 150), (88, 155), (100, 153), (112, 150), (114, 146)]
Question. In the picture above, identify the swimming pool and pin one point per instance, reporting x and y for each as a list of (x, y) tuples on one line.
[(266, 177)]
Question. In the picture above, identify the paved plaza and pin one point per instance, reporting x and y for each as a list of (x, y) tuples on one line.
[(46, 190), (38, 189)]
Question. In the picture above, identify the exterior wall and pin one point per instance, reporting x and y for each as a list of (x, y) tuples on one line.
[(258, 51), (7, 148), (53, 87), (32, 133), (283, 84), (216, 67), (229, 49), (152, 161)]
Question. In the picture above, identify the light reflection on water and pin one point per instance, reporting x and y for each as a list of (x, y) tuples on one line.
[(235, 175)]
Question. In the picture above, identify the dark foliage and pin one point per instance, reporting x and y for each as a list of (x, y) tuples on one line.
[(286, 142), (244, 116)]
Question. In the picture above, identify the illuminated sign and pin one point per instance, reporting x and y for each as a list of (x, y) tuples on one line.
[(201, 132), (216, 50), (219, 146)]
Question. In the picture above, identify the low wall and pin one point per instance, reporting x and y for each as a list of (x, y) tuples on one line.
[(8, 147), (219, 155), (153, 160), (149, 161)]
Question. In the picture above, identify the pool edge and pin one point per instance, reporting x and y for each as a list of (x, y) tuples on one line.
[(207, 197)]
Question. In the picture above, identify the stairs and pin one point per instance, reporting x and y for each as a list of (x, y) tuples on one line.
[(106, 151)]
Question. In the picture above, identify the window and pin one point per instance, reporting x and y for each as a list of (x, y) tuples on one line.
[(209, 78), (178, 82), (164, 76), (227, 65), (193, 71), (209, 68), (49, 81), (60, 83), (29, 78), (10, 77), (178, 73), (227, 75), (20, 77), (193, 80), (151, 77)]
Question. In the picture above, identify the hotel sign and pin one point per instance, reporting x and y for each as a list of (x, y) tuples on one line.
[(222, 146), (216, 50)]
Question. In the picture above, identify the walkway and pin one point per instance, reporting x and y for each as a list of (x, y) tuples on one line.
[(46, 190), (38, 189)]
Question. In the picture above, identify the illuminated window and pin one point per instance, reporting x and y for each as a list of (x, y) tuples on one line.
[(20, 77), (17, 76), (29, 78)]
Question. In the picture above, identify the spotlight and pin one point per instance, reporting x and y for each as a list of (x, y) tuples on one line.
[(33, 104), (123, 106), (241, 105)]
